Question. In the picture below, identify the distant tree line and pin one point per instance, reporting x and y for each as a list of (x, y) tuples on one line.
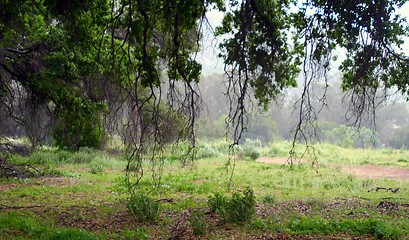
[(391, 124)]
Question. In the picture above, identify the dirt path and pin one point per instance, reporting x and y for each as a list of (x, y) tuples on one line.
[(367, 171)]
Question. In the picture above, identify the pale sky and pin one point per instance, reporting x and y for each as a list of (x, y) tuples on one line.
[(212, 64)]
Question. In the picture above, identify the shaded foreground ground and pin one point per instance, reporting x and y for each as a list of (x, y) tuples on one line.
[(367, 170), (291, 203), (113, 217)]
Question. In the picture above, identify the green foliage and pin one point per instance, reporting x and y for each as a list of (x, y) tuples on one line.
[(78, 125), (263, 128), (400, 138), (198, 222), (269, 198), (345, 136), (367, 66), (275, 149), (53, 157), (250, 150), (144, 208), (12, 224), (206, 150), (212, 129), (257, 28), (96, 168), (239, 208), (217, 202), (58, 65), (312, 225), (403, 160), (140, 233)]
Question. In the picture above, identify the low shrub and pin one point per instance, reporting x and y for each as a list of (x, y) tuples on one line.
[(206, 151), (217, 202), (96, 169), (239, 208), (250, 150), (403, 160), (144, 208)]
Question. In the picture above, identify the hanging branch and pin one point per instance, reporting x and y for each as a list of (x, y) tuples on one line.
[(258, 60), (163, 45), (316, 64)]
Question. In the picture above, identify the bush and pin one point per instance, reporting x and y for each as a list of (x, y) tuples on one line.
[(345, 136), (206, 151), (400, 138), (250, 149), (239, 208), (144, 208)]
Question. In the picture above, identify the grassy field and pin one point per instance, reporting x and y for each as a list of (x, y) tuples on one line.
[(83, 196)]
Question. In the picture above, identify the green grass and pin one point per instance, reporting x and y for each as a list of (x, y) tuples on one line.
[(87, 199), (13, 226)]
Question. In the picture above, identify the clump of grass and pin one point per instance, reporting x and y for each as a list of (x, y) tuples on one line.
[(317, 225), (50, 170), (198, 223), (269, 198), (239, 208), (62, 156), (140, 233), (84, 155), (96, 169), (97, 166), (144, 208), (217, 201), (28, 228), (403, 160), (316, 203), (276, 149)]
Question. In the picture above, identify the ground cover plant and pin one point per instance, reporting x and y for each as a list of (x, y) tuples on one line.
[(83, 195)]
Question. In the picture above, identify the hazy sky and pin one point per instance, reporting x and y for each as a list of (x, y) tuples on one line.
[(212, 64)]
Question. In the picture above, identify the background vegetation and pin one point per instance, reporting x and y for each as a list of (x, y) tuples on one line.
[(84, 195)]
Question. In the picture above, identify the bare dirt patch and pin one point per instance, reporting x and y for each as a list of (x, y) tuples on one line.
[(276, 160), (373, 171), (367, 171)]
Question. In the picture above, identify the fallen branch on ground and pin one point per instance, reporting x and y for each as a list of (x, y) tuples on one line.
[(394, 190)]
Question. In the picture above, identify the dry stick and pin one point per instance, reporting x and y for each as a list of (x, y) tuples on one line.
[(394, 190)]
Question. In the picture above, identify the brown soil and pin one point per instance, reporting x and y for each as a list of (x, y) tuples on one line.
[(367, 171), (373, 171), (276, 160)]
